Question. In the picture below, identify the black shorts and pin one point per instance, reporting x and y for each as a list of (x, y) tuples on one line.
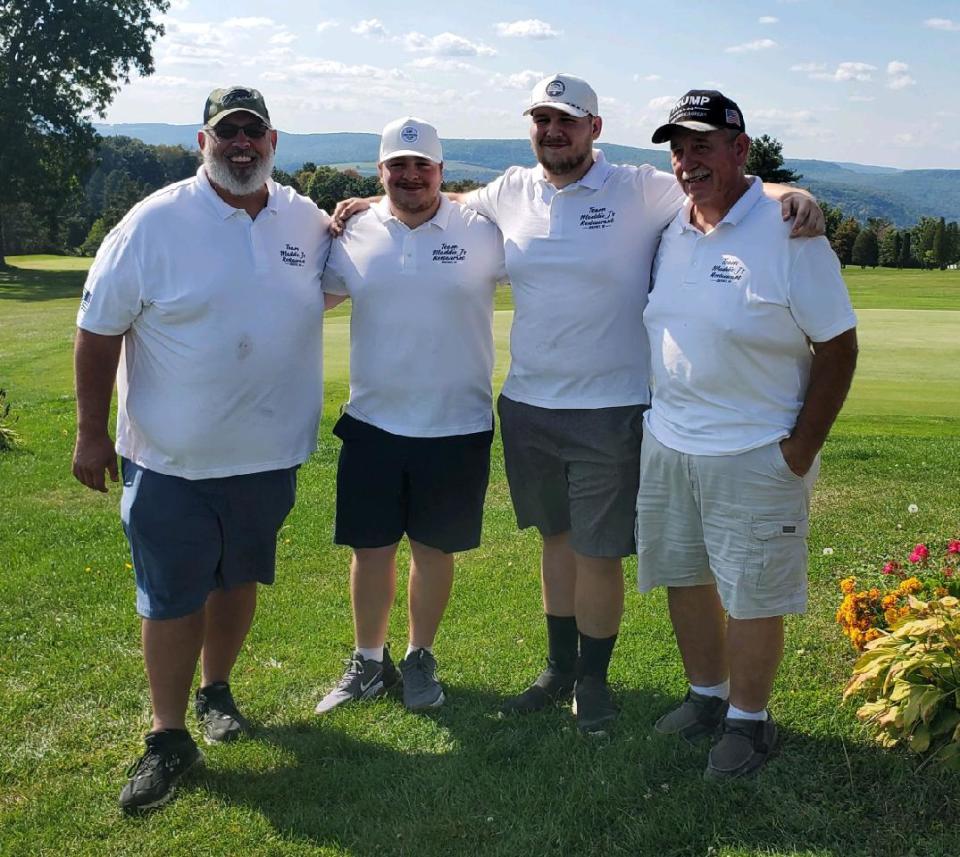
[(431, 488)]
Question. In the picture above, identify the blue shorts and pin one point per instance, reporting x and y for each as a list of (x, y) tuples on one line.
[(191, 536)]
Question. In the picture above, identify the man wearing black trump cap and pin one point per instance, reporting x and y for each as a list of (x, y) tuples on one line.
[(752, 346), (209, 289)]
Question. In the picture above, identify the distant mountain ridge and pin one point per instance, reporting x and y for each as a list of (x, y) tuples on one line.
[(861, 190)]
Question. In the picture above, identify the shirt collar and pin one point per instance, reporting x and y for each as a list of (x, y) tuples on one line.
[(440, 219), (738, 211), (592, 180), (224, 209)]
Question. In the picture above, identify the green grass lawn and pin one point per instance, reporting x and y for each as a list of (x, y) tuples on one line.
[(374, 779)]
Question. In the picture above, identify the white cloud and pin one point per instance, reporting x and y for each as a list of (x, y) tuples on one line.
[(942, 24), (662, 102), (905, 139), (273, 77), (166, 81), (768, 19), (437, 64), (859, 71), (248, 23), (778, 115), (370, 27), (179, 5), (865, 99), (649, 78), (323, 26), (897, 77), (521, 80), (757, 45), (445, 45), (809, 67), (333, 68), (284, 38), (530, 28)]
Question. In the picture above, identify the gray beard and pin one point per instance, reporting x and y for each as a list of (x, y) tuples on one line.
[(220, 171)]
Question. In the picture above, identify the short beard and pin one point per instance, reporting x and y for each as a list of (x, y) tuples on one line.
[(561, 166), (220, 171)]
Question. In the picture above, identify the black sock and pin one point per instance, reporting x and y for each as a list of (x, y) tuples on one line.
[(562, 642), (595, 654)]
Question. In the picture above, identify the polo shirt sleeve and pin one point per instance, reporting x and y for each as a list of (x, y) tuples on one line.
[(662, 194), (818, 296), (113, 293), (332, 282), (485, 200)]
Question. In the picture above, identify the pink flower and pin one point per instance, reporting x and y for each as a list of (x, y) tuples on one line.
[(953, 546), (891, 567), (920, 553), (948, 572)]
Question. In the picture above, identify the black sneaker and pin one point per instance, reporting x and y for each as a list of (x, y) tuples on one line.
[(549, 688), (153, 777), (593, 706), (362, 679), (218, 715), (421, 687), (744, 747), (696, 717)]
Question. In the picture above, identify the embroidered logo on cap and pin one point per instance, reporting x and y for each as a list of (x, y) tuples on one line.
[(733, 118), (555, 88), (409, 134)]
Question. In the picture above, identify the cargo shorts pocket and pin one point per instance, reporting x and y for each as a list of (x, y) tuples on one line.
[(777, 561)]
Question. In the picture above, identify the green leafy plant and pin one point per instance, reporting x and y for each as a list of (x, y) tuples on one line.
[(911, 679), (9, 439)]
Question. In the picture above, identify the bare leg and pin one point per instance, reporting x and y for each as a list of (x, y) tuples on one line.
[(229, 614), (599, 595), (558, 576), (431, 579), (170, 651), (373, 584), (755, 649), (700, 627)]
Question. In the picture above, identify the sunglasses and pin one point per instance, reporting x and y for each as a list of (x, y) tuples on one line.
[(227, 130)]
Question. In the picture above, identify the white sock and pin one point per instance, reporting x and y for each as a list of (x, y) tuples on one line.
[(372, 654), (722, 690), (734, 713), (412, 648)]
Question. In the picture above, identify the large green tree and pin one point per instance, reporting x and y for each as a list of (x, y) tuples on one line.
[(61, 62), (843, 240), (766, 161), (865, 249)]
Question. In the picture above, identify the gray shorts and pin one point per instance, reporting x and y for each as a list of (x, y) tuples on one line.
[(574, 470), (740, 521), (191, 536)]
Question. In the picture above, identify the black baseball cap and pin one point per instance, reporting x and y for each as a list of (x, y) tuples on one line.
[(222, 102), (701, 110)]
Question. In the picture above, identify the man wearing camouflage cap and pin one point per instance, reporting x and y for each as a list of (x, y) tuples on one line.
[(209, 291)]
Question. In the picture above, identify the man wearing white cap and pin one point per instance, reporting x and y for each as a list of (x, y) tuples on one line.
[(580, 235), (420, 272)]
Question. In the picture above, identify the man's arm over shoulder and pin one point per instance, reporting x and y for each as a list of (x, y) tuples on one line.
[(801, 206)]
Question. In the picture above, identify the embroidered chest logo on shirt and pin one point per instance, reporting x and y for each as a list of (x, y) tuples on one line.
[(293, 256), (449, 254), (728, 270), (597, 217)]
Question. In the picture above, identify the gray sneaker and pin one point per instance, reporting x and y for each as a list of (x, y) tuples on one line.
[(695, 717), (362, 679), (743, 748), (421, 688)]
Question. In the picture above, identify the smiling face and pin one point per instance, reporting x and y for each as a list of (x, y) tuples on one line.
[(412, 183), (239, 165), (563, 143), (709, 166)]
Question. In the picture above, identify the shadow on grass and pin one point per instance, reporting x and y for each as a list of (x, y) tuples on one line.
[(533, 786), (22, 284)]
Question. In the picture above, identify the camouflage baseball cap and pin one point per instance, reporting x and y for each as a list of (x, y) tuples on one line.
[(233, 99)]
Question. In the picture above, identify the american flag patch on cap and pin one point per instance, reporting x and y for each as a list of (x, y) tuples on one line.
[(733, 118)]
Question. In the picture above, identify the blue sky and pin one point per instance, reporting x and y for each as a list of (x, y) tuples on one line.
[(872, 82)]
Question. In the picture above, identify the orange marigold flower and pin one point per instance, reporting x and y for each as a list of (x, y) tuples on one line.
[(891, 615), (848, 584), (889, 601), (872, 634), (911, 586)]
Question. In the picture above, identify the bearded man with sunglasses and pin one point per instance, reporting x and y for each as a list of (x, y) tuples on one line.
[(209, 290)]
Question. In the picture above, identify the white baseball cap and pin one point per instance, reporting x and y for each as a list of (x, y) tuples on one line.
[(565, 92), (410, 137)]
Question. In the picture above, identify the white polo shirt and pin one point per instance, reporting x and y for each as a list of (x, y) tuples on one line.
[(729, 320), (421, 324), (579, 261), (221, 372)]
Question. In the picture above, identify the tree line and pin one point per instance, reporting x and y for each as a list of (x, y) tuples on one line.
[(77, 218)]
